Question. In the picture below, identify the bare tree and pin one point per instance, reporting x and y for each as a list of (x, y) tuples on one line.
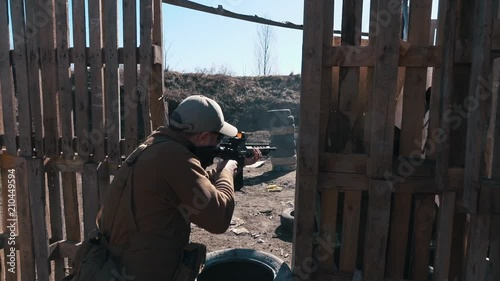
[(263, 50)]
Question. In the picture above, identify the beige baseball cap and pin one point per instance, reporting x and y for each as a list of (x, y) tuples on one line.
[(198, 113)]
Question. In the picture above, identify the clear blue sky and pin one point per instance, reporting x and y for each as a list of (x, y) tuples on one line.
[(198, 40)]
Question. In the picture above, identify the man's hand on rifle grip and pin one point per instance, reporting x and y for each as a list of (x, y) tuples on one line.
[(257, 155)]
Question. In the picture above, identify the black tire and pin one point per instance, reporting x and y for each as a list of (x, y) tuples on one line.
[(244, 265), (286, 219)]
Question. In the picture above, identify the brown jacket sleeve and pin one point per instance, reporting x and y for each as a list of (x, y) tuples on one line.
[(210, 206)]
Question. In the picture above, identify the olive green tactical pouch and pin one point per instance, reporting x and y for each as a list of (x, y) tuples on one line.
[(192, 261)]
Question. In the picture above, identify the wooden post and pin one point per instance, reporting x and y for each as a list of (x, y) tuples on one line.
[(477, 247), (146, 61), (478, 94), (33, 57), (112, 120), (36, 174), (7, 84), (495, 247), (97, 134), (81, 78), (159, 112), (22, 89), (47, 37), (130, 75), (56, 217), (24, 221), (309, 146), (90, 196)]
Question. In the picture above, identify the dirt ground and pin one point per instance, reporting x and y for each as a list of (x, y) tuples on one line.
[(257, 213)]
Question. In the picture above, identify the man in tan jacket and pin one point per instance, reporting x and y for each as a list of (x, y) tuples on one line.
[(170, 190)]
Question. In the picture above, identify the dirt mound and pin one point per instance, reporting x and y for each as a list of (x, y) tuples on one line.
[(245, 100)]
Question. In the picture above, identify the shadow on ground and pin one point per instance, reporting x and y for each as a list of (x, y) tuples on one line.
[(284, 234), (265, 177)]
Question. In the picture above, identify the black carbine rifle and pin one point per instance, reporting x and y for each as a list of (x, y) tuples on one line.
[(236, 148)]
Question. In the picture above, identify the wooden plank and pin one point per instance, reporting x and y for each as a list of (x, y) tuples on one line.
[(95, 60), (46, 36), (36, 174), (7, 85), (424, 219), (383, 93), (22, 89), (444, 236), (343, 163), (434, 117), (130, 75), (489, 198), (315, 16), (112, 120), (342, 181), (495, 247), (90, 196), (25, 235), (495, 161), (103, 181), (350, 231), (159, 112), (146, 61), (71, 212), (476, 122), (477, 247), (9, 222), (458, 243), (400, 222), (377, 230), (81, 79), (446, 91), (34, 83), (64, 83), (328, 228), (56, 216)]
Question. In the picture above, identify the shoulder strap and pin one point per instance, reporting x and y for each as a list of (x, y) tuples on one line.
[(124, 174)]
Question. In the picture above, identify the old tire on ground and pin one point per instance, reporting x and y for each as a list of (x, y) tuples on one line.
[(244, 265), (286, 219)]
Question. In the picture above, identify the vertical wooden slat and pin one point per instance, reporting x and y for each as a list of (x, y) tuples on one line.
[(309, 145), (25, 238), (444, 236), (159, 112), (36, 173), (56, 225), (495, 247), (377, 230), (329, 199), (46, 35), (130, 75), (434, 118), (81, 79), (103, 181), (477, 247), (10, 222), (400, 220), (96, 79), (146, 60), (458, 244), (7, 84), (446, 91), (90, 196), (384, 91), (476, 122), (64, 92), (22, 89), (328, 228), (32, 50), (424, 219), (112, 120), (71, 212), (411, 130), (350, 231)]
